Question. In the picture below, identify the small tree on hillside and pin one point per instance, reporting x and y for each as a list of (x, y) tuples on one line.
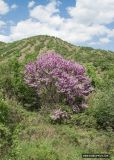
[(56, 79)]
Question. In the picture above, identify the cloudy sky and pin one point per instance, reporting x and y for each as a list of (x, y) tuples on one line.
[(81, 22)]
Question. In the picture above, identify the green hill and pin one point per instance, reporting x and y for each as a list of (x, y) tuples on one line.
[(25, 128)]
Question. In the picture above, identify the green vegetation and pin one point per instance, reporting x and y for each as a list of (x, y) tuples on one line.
[(26, 132)]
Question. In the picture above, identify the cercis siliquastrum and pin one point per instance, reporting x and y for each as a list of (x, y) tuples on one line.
[(59, 76)]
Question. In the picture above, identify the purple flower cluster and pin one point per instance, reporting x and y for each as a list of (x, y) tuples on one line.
[(51, 69), (58, 115)]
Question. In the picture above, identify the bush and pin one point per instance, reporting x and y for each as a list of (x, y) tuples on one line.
[(4, 111), (56, 78), (12, 85), (5, 137), (103, 109), (11, 113), (84, 120), (4, 133), (92, 72)]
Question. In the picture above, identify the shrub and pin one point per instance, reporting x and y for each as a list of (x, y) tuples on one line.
[(93, 73), (5, 136), (84, 120), (12, 85), (10, 113), (103, 108), (4, 132), (56, 78), (4, 111)]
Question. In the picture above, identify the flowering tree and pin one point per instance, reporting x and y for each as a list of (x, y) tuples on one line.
[(56, 77)]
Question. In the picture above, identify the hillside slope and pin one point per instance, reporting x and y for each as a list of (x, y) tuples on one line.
[(25, 127), (29, 49), (40, 44)]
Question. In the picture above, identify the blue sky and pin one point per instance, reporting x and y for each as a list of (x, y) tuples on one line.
[(81, 22)]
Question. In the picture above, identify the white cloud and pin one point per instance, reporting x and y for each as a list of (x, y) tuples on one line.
[(104, 40), (87, 20), (96, 12), (4, 8), (44, 13), (31, 4), (29, 28), (14, 6), (4, 38)]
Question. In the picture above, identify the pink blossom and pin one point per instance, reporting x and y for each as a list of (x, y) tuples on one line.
[(67, 76)]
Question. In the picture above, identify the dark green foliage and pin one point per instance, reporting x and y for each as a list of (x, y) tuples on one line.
[(5, 136), (84, 120), (95, 77), (11, 115), (12, 84), (104, 109)]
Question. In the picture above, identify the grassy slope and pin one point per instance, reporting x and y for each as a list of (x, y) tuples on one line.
[(33, 137)]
